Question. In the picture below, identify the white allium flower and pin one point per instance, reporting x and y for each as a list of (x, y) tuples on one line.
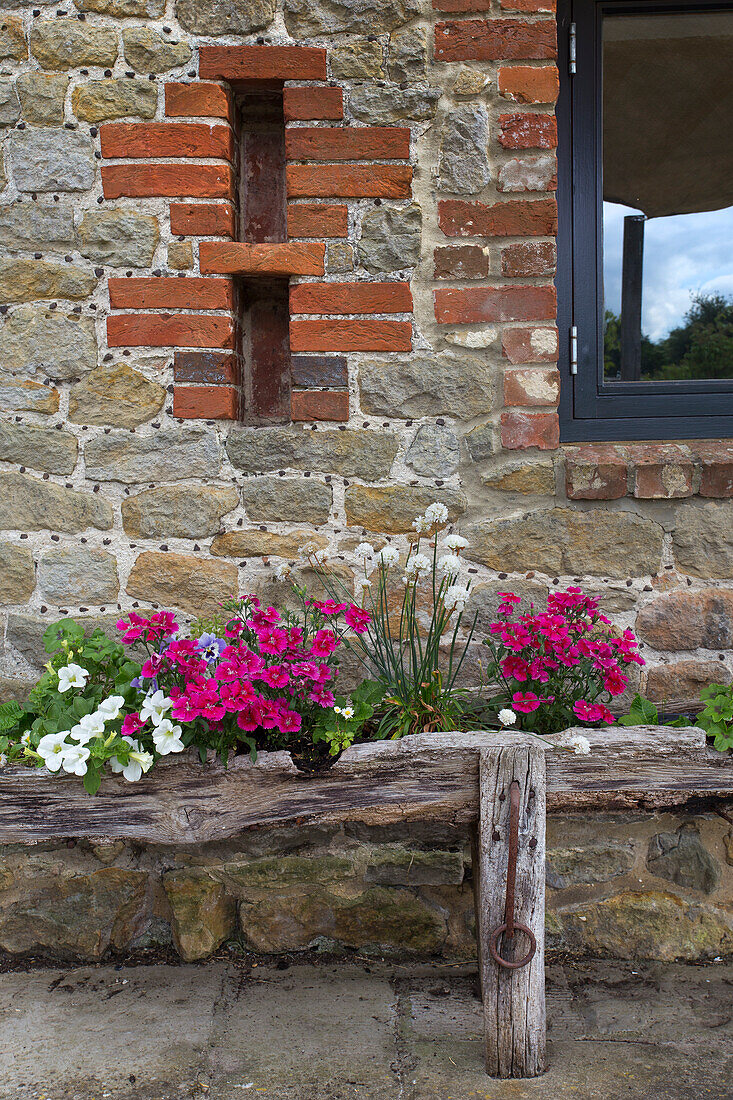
[(364, 582), (389, 555), (456, 542), (110, 708), (72, 676), (167, 737), (139, 762), (436, 513), (449, 564), (51, 749), (74, 759), (306, 549), (417, 564), (283, 571), (507, 717), (575, 741), (421, 524), (364, 551), (456, 597), (156, 707), (320, 557), (91, 725)]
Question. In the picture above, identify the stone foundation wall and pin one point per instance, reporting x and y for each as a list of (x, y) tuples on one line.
[(124, 476), (646, 887)]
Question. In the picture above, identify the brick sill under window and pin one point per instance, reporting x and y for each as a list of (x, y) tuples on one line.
[(649, 471)]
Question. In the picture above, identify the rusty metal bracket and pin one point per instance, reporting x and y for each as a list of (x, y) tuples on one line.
[(510, 926)]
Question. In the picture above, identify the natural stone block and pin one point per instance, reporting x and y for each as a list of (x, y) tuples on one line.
[(27, 504), (23, 280), (203, 915), (561, 540), (380, 105), (701, 539), (99, 100), (688, 620), (682, 858), (51, 160), (170, 454), (398, 866), (480, 442), (359, 60), (13, 45), (463, 168), (69, 44), (310, 18), (679, 683), (42, 97), (29, 225), (392, 508), (390, 238), (180, 255), (39, 339), (471, 82), (17, 577), (225, 16), (120, 238), (176, 511), (149, 52), (407, 55), (530, 477), (427, 385), (17, 396), (186, 581), (339, 256), (119, 9), (351, 453), (434, 452), (274, 872), (268, 499), (115, 394), (40, 448), (589, 864), (77, 575), (9, 105), (14, 687), (255, 543)]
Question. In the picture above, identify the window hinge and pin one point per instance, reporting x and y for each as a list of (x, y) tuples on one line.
[(573, 349), (573, 51)]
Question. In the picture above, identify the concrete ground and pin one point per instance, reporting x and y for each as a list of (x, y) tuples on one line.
[(356, 1030)]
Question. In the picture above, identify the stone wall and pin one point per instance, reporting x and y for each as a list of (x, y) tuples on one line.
[(420, 171), (646, 887)]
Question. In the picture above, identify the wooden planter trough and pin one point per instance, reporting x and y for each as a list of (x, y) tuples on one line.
[(462, 778)]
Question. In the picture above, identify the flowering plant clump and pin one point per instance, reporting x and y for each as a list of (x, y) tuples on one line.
[(556, 668)]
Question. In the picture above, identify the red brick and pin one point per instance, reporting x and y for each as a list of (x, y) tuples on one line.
[(311, 371), (168, 181), (347, 143), (351, 298), (459, 218), (357, 181), (240, 258), (495, 40), (529, 83), (520, 430), (212, 367), (474, 305), (529, 386), (199, 100), (530, 258), (161, 293), (206, 402), (178, 330), (166, 139), (596, 473), (528, 5), (716, 469), (235, 63), (530, 345), (202, 219), (661, 471), (350, 335), (319, 405), (468, 261), (459, 6), (305, 104), (319, 220), (524, 131)]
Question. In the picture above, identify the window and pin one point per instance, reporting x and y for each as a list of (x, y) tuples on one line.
[(645, 273)]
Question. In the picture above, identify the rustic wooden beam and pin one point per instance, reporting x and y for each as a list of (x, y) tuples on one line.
[(433, 776)]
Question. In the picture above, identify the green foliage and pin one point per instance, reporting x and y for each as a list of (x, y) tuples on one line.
[(716, 717), (340, 727), (642, 712)]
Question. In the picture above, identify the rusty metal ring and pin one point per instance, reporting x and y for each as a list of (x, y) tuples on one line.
[(494, 951)]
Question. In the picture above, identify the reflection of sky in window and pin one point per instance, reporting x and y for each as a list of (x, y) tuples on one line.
[(684, 254)]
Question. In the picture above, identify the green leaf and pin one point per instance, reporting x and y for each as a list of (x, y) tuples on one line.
[(10, 714), (91, 780), (58, 632), (642, 712)]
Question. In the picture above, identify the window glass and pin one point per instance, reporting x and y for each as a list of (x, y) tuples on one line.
[(668, 196)]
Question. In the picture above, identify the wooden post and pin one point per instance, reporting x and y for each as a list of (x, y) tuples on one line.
[(514, 999)]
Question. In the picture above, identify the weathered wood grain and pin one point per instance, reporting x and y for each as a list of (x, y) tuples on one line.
[(425, 776), (514, 1000)]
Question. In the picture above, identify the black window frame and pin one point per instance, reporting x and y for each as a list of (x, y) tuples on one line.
[(590, 408)]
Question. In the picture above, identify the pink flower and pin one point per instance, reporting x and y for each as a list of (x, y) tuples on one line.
[(237, 696), (131, 723), (324, 644), (514, 668), (207, 701), (248, 719), (509, 601), (289, 721), (615, 682), (152, 666), (276, 676), (267, 617), (272, 639), (525, 701), (590, 712), (308, 670), (321, 696), (328, 607), (357, 619)]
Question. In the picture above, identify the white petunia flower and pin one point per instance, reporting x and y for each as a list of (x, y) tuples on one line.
[(72, 676), (389, 555), (156, 707), (456, 542), (456, 597), (51, 749), (364, 552), (507, 717), (110, 708), (167, 738), (74, 759), (91, 725), (450, 564), (436, 513), (139, 762)]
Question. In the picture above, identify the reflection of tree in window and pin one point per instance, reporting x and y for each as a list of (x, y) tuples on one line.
[(702, 347)]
